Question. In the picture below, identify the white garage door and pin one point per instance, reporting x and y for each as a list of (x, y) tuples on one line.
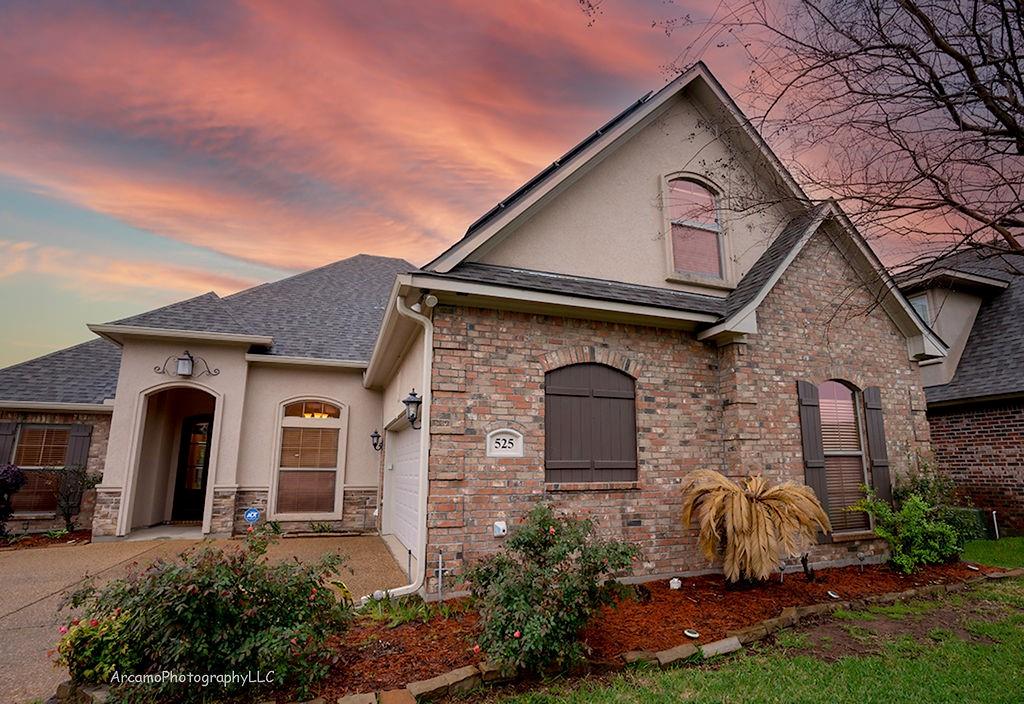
[(403, 485)]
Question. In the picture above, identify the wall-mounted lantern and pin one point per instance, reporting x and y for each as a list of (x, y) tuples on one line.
[(186, 362), (378, 442), (186, 365), (412, 408)]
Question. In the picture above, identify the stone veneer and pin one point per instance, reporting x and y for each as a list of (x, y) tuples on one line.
[(981, 448), (100, 423), (357, 516), (104, 521), (731, 409)]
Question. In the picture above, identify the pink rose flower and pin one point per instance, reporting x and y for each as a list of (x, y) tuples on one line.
[(94, 623), (551, 530), (63, 630), (476, 648), (517, 634), (249, 529)]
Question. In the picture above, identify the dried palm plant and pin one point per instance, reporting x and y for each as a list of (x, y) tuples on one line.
[(757, 524)]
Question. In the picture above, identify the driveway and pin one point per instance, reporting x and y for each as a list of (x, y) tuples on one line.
[(33, 581)]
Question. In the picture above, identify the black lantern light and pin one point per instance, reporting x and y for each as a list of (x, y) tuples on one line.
[(186, 363), (412, 408), (378, 443)]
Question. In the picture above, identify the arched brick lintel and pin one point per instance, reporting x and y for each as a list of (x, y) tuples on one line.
[(590, 354)]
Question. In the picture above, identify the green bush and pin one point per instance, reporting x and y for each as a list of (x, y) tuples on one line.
[(938, 490), (211, 612), (537, 595), (915, 536), (969, 523)]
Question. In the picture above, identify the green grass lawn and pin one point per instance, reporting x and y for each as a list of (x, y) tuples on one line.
[(1008, 552), (984, 665)]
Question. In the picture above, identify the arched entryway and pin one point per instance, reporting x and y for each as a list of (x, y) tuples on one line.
[(173, 473)]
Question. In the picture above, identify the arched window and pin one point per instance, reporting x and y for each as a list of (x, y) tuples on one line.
[(843, 446), (589, 425), (696, 232), (311, 456)]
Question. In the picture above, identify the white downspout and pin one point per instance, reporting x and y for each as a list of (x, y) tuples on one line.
[(428, 363)]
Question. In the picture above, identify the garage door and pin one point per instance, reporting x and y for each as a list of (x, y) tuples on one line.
[(402, 485)]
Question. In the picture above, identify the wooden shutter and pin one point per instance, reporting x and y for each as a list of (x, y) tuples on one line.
[(874, 427), (814, 452), (7, 433), (78, 446), (590, 425)]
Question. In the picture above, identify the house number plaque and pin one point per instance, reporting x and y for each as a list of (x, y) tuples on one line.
[(504, 442)]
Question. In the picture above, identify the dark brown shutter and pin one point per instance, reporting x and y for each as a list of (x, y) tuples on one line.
[(7, 433), (814, 452), (78, 446), (590, 425), (874, 427)]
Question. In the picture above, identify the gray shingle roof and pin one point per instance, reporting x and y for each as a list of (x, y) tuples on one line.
[(755, 279), (206, 313), (85, 373), (583, 287), (993, 360), (332, 312)]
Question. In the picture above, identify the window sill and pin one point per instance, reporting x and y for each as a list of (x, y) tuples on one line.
[(31, 515), (698, 280), (853, 536), (550, 487)]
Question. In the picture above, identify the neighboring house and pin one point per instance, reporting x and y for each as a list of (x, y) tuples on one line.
[(662, 298), (975, 302)]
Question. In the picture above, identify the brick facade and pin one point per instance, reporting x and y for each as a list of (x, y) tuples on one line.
[(100, 423), (981, 448), (698, 406)]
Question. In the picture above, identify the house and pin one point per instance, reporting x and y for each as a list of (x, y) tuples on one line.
[(662, 298), (974, 300)]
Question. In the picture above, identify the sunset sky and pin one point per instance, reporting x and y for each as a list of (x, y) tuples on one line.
[(154, 151)]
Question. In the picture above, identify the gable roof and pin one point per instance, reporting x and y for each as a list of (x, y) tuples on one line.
[(742, 302), (593, 149), (992, 363), (83, 374)]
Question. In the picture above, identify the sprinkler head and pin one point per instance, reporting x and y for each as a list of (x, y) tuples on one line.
[(833, 594), (690, 633)]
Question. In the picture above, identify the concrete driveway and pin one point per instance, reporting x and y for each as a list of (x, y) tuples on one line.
[(33, 582)]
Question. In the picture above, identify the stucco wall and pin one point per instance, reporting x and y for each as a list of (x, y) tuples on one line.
[(952, 316), (733, 409), (408, 376), (271, 385), (609, 224)]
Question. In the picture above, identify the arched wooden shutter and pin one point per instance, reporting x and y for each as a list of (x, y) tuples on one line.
[(874, 427), (589, 425), (7, 433)]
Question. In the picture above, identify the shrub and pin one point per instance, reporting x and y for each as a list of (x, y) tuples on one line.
[(914, 534), (754, 526), (537, 595), (939, 491), (74, 481), (968, 523), (11, 480), (212, 611)]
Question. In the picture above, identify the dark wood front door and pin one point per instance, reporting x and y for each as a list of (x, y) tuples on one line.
[(193, 465)]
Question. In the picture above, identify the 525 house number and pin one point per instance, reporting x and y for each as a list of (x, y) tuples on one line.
[(504, 442)]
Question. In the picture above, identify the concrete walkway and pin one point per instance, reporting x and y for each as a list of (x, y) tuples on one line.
[(33, 582)]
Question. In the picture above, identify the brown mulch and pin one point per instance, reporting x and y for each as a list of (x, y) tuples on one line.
[(38, 540), (707, 605), (372, 656)]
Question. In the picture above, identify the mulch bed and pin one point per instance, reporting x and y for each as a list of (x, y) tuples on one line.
[(38, 540), (372, 656)]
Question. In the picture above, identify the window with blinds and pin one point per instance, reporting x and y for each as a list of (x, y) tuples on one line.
[(696, 233), (310, 458), (41, 451), (841, 442)]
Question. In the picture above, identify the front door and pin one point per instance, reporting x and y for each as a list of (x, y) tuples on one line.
[(193, 463)]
